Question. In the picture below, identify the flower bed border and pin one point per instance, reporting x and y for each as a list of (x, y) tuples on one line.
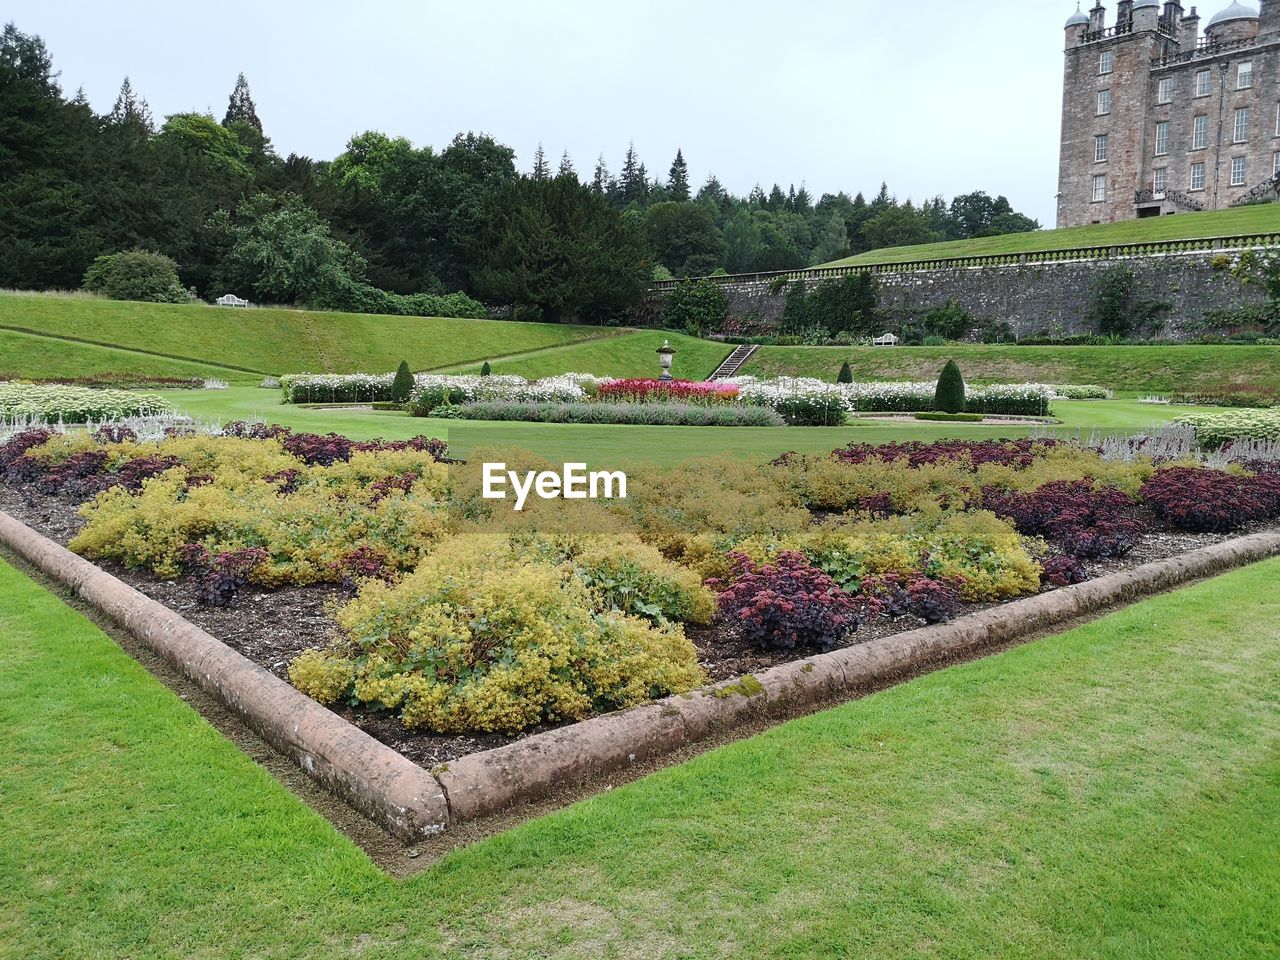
[(414, 803)]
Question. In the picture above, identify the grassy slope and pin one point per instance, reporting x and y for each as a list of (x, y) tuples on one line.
[(1138, 369), (276, 341), (1183, 226), (631, 355), (27, 355), (1109, 793), (603, 445)]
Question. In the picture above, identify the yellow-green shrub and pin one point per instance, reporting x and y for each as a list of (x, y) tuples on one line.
[(478, 639)]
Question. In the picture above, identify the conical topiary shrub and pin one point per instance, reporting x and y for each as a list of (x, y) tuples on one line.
[(845, 375), (402, 385), (949, 397), (486, 369)]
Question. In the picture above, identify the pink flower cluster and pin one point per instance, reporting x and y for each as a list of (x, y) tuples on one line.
[(639, 390)]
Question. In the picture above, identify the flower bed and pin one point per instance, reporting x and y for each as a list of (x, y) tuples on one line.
[(69, 404), (667, 391), (618, 412), (463, 619), (1217, 429)]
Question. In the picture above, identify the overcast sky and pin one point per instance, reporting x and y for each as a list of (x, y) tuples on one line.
[(931, 96)]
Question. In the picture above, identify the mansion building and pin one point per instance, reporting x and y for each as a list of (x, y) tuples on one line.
[(1158, 119)]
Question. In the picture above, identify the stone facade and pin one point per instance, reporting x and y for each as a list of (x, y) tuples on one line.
[(1043, 299), (1157, 119)]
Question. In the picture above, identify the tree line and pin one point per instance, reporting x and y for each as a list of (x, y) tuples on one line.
[(390, 227)]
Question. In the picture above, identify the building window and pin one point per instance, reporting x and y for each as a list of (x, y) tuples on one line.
[(1106, 62), (1100, 148), (1244, 75), (1100, 188), (1275, 163), (1161, 180), (1162, 138), (1104, 102), (1164, 90), (1199, 133), (1197, 176), (1237, 171), (1242, 125), (1204, 81), (1278, 119)]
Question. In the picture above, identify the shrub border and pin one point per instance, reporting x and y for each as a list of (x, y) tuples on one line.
[(414, 803)]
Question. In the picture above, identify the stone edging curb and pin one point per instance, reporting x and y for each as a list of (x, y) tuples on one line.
[(369, 775), (413, 803)]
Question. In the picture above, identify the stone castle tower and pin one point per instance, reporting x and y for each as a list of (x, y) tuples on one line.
[(1158, 119)]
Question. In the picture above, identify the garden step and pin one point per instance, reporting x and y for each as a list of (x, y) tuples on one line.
[(733, 363)]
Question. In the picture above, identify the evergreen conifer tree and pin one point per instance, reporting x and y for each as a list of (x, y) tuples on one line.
[(240, 106), (541, 169), (949, 395), (486, 370), (402, 385), (845, 375), (678, 178), (566, 166), (130, 109)]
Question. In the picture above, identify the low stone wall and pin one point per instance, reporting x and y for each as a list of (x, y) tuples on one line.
[(1045, 299)]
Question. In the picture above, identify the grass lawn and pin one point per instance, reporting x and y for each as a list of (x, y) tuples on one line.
[(1182, 226), (561, 442), (1160, 369), (1106, 793), (270, 340), (630, 355), (28, 355)]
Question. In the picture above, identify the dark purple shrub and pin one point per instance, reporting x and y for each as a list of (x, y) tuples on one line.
[(71, 472), (933, 601), (437, 448), (382, 488), (286, 480), (254, 431), (1061, 570), (114, 433), (786, 604), (1086, 521), (218, 578), (316, 450), (18, 445), (362, 563), (133, 472), (1018, 454), (1212, 501)]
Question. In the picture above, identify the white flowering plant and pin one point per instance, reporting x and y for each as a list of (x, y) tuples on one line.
[(59, 403)]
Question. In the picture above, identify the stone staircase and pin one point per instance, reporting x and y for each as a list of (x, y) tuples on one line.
[(1268, 191), (733, 363)]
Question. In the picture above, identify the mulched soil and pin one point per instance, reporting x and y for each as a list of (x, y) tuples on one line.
[(272, 627)]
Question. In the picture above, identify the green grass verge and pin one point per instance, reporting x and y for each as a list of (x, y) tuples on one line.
[(1161, 369), (611, 445), (1107, 793), (267, 340), (1183, 226), (630, 355)]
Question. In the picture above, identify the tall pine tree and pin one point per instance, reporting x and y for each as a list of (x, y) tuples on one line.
[(566, 166), (240, 106), (541, 169), (130, 110), (678, 178), (600, 179)]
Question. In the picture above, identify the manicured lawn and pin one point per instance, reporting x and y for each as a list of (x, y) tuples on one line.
[(1107, 793), (1134, 370), (615, 444), (1183, 226), (25, 355), (631, 355), (268, 340)]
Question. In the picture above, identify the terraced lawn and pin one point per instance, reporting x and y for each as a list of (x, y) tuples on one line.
[(1132, 370), (1105, 793), (262, 341), (630, 355), (1184, 226)]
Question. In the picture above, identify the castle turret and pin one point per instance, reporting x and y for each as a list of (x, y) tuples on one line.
[(1077, 27), (1236, 22)]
